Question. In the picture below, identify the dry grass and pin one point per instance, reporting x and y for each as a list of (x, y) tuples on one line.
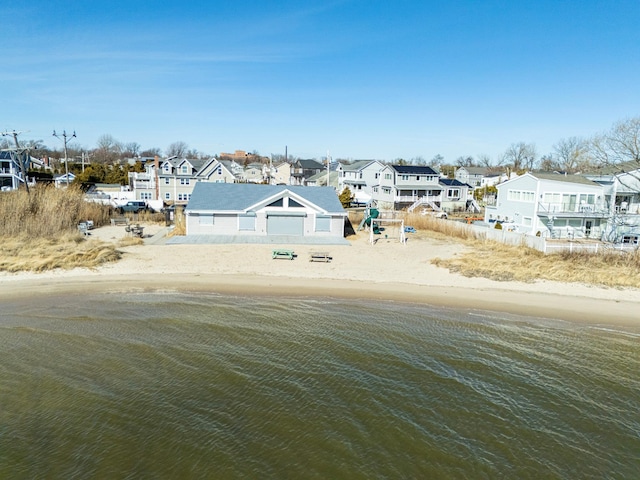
[(39, 230), (66, 252), (180, 224), (47, 212)]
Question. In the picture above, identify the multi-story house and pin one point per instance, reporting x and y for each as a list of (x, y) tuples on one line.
[(622, 194), (11, 174), (176, 179), (255, 173), (360, 177), (551, 205), (172, 180)]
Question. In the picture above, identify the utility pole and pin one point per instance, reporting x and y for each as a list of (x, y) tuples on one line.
[(65, 137), (23, 163), (328, 168)]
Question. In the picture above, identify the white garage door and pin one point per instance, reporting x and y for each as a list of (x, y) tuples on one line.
[(285, 225)]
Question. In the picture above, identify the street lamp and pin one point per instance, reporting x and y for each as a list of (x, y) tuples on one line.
[(64, 138)]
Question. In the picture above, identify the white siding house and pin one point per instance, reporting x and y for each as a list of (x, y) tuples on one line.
[(550, 205)]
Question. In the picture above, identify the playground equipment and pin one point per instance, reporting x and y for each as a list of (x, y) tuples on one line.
[(369, 215)]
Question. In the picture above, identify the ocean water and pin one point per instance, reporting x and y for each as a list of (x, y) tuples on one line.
[(176, 385)]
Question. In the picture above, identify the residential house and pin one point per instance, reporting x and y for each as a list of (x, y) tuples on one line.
[(281, 173), (622, 193), (252, 210), (255, 173), (472, 176), (61, 181), (320, 180), (360, 177), (215, 171), (176, 179), (414, 185), (456, 196), (11, 174), (310, 167), (550, 205)]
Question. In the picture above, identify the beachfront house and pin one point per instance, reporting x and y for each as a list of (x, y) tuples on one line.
[(456, 196), (359, 177), (550, 205), (246, 209)]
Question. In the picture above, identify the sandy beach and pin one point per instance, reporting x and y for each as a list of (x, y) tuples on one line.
[(387, 270)]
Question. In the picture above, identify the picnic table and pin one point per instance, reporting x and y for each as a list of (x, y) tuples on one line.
[(135, 230), (286, 254), (320, 257)]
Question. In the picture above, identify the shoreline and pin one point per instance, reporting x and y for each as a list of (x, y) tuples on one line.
[(387, 271), (577, 309)]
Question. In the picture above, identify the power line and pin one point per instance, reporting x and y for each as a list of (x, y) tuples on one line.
[(65, 137)]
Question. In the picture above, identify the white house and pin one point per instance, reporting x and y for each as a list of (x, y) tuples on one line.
[(550, 205), (360, 177)]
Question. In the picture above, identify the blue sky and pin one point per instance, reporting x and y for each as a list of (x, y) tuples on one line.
[(360, 79)]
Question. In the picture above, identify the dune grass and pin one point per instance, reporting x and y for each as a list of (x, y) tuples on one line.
[(38, 230), (497, 261)]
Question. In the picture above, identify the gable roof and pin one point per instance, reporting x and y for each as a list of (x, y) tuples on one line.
[(310, 164), (452, 182), (557, 177), (414, 170), (475, 170), (357, 165), (240, 197)]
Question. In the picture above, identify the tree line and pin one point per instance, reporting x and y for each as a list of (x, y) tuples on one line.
[(617, 147)]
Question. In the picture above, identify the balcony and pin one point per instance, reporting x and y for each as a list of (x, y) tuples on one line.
[(415, 198), (598, 210)]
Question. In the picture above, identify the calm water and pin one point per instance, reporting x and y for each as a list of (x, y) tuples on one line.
[(204, 386)]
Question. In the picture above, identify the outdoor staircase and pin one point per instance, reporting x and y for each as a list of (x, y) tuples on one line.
[(473, 206), (424, 201)]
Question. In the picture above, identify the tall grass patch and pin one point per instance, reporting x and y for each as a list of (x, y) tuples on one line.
[(47, 212)]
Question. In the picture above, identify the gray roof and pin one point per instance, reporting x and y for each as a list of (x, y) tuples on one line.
[(239, 197), (563, 178), (356, 165)]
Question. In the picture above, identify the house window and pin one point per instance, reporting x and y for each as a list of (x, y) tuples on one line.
[(294, 204), (184, 169), (220, 171), (375, 189), (184, 181), (205, 220), (575, 222), (247, 222), (184, 197), (166, 168), (527, 221), (323, 223), (417, 178), (386, 190), (145, 196), (453, 193), (167, 181), (277, 203), (377, 175), (405, 177), (167, 196), (387, 176)]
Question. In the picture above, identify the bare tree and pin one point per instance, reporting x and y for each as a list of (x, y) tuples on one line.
[(465, 161), (151, 152), (571, 154), (521, 156), (108, 150), (177, 149), (620, 146), (436, 161), (131, 149)]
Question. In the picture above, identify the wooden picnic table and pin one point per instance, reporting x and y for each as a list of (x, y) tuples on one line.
[(320, 257), (136, 230)]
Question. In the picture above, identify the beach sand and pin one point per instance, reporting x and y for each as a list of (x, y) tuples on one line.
[(387, 270)]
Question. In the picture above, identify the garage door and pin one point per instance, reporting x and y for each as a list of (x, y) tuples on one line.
[(285, 225)]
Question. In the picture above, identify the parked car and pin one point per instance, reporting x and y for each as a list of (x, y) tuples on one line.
[(133, 206)]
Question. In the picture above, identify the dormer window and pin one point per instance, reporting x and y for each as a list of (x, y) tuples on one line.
[(184, 169)]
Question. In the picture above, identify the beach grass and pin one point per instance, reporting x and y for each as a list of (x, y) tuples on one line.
[(39, 230), (497, 261)]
